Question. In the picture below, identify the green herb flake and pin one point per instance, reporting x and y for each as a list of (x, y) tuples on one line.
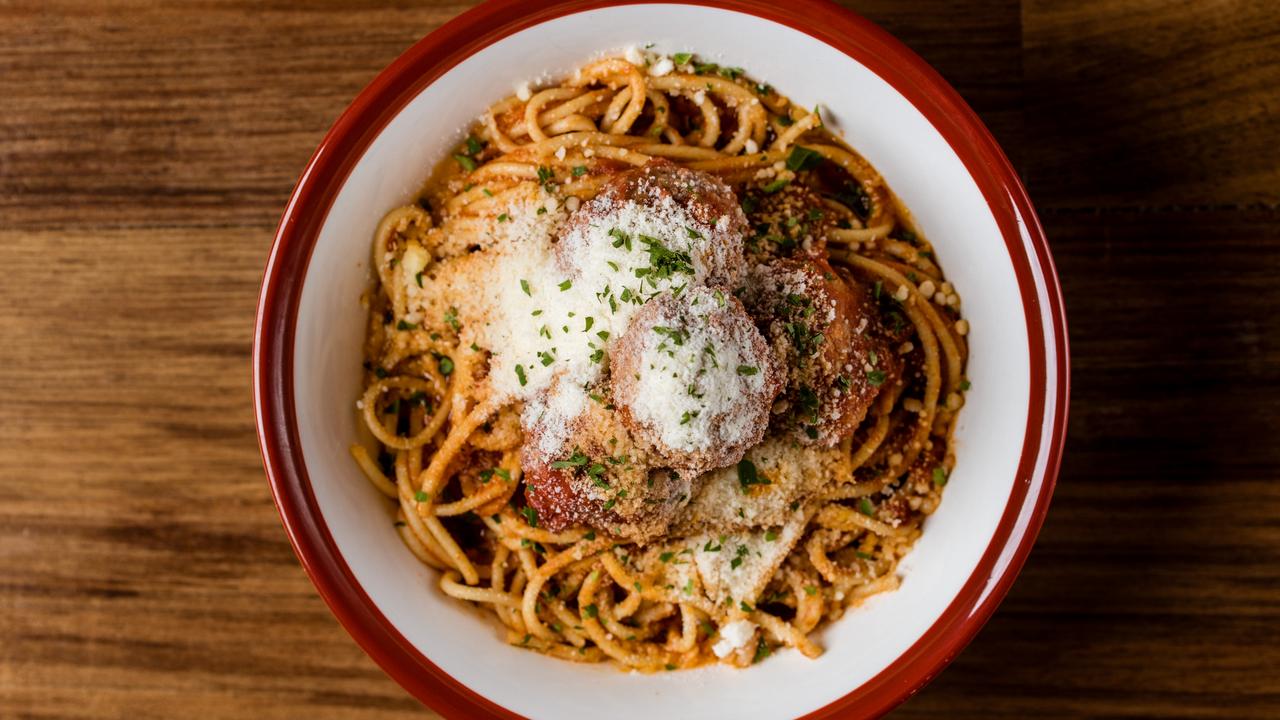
[(748, 370), (467, 163), (577, 459), (775, 186), (748, 475), (865, 507), (520, 374), (762, 651), (939, 476), (530, 516), (802, 158)]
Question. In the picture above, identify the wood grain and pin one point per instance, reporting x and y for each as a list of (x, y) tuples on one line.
[(147, 150)]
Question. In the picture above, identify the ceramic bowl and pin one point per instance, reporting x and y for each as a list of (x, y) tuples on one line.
[(897, 112)]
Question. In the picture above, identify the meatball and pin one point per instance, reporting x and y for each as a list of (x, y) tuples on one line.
[(593, 473), (668, 223), (693, 380), (822, 328), (791, 222)]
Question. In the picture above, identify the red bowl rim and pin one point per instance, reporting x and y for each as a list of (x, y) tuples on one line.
[(481, 26)]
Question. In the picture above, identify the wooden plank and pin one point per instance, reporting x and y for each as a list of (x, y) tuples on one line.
[(1152, 102)]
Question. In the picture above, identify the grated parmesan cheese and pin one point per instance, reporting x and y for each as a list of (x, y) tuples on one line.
[(549, 310), (733, 635), (664, 66), (692, 378)]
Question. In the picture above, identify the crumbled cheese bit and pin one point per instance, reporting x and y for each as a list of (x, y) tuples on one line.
[(752, 147), (523, 92), (962, 327), (664, 66), (560, 153), (901, 294), (634, 56), (733, 635)]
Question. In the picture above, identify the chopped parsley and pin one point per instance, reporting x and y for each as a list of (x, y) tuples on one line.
[(467, 163), (865, 507), (682, 58), (579, 170), (748, 475), (421, 496), (775, 186), (577, 459), (939, 476), (524, 285), (530, 516), (520, 374), (762, 651), (748, 370), (802, 158)]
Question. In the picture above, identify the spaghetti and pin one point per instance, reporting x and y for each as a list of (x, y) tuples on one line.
[(450, 444)]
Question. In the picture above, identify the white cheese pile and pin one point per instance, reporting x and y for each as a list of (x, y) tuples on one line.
[(548, 315), (733, 635), (694, 372)]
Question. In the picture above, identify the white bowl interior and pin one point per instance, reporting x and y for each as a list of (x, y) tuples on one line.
[(921, 169)]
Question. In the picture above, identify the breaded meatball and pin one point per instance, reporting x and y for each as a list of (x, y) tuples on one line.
[(673, 224), (821, 329), (593, 473), (790, 222), (693, 379)]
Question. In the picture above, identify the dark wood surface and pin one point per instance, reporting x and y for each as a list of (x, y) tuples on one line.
[(146, 152)]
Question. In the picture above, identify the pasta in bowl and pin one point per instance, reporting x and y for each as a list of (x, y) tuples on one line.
[(659, 370)]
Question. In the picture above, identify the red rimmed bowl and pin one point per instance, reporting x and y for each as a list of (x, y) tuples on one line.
[(896, 111)]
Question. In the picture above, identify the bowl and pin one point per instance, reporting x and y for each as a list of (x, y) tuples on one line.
[(897, 112)]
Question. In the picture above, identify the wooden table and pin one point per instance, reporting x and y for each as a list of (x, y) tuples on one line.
[(146, 153)]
